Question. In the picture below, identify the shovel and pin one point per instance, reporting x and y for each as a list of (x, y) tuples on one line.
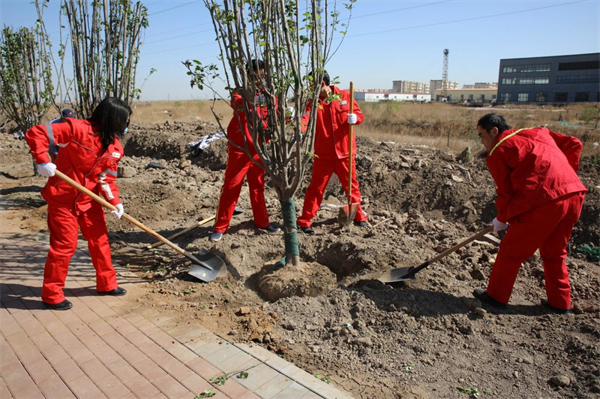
[(205, 267), (348, 212), (408, 273)]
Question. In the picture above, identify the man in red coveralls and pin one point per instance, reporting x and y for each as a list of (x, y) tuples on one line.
[(239, 165), (331, 151), (540, 196)]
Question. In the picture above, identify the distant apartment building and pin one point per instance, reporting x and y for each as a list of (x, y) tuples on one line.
[(437, 85), (376, 96), (481, 85), (554, 79), (406, 86)]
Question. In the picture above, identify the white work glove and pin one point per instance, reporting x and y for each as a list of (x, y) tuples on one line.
[(290, 112), (352, 119), (46, 169), (498, 225), (119, 212)]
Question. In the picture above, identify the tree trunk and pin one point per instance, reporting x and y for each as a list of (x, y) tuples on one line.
[(290, 229)]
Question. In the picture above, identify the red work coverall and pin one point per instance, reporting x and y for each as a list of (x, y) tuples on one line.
[(239, 165), (331, 150), (540, 196), (81, 158)]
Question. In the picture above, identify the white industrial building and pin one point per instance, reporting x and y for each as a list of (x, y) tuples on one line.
[(376, 96)]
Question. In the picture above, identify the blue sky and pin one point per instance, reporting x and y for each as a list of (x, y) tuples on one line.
[(387, 39)]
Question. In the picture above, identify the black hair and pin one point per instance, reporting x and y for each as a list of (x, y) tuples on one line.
[(255, 66), (111, 116), (326, 78), (489, 121)]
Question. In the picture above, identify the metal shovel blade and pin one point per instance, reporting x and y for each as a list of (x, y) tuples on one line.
[(347, 213), (397, 275), (206, 266), (408, 273)]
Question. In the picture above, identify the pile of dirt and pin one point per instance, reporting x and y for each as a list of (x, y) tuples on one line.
[(428, 338)]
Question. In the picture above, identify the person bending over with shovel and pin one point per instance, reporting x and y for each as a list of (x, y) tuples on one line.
[(540, 196), (89, 155), (239, 165), (332, 151)]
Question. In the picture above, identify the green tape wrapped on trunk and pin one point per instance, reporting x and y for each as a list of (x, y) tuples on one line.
[(292, 249)]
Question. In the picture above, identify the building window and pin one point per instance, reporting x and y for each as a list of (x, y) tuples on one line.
[(505, 97), (541, 97), (561, 97), (470, 97), (581, 97), (578, 79), (526, 68), (509, 81), (533, 81), (523, 97), (578, 66)]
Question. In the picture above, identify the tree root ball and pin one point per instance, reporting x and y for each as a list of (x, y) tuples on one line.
[(307, 279)]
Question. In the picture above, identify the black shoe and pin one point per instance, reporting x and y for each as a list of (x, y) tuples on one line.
[(238, 210), (64, 305), (361, 224), (555, 309), (116, 292), (270, 229), (483, 296), (307, 230)]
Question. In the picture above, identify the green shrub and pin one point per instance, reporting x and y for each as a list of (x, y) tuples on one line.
[(588, 114)]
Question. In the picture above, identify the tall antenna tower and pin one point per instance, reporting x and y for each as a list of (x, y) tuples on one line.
[(445, 75)]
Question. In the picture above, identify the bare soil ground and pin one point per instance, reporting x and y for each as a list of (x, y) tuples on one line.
[(427, 338)]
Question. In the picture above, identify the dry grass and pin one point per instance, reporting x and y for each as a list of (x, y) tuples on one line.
[(432, 124), (179, 111), (454, 127)]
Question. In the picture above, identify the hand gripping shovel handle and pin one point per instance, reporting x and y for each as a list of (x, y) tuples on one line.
[(125, 216), (447, 252)]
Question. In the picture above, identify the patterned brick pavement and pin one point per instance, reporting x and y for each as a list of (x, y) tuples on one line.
[(100, 350)]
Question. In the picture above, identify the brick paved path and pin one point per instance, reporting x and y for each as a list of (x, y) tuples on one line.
[(100, 350)]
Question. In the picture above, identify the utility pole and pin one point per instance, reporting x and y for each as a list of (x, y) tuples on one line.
[(445, 75)]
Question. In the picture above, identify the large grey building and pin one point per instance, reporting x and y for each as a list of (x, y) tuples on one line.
[(543, 80)]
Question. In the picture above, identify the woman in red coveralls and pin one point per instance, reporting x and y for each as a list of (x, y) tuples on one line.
[(90, 150), (240, 165), (540, 196)]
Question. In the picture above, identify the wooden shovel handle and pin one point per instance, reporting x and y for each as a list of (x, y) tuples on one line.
[(125, 216), (447, 252), (182, 232), (350, 143), (461, 244)]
